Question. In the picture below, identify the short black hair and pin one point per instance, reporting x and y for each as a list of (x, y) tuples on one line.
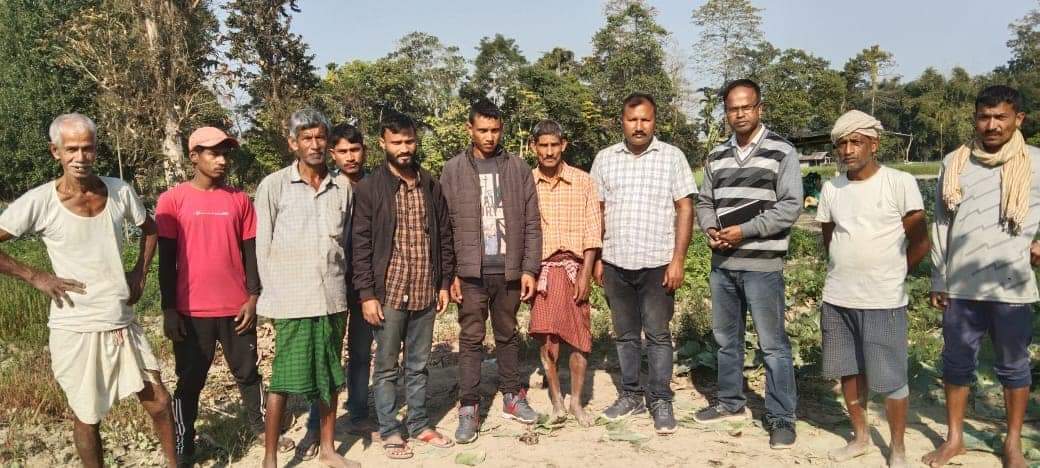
[(741, 83), (547, 127), (638, 99), (994, 95), (484, 108), (396, 122), (346, 132)]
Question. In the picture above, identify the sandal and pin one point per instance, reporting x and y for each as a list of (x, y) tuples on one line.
[(431, 436), (397, 451)]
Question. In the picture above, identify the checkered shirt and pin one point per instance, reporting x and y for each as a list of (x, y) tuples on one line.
[(301, 238), (409, 279), (571, 217), (638, 192)]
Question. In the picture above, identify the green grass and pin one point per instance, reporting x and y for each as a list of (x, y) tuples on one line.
[(29, 395)]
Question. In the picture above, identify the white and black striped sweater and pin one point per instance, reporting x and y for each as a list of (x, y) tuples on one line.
[(769, 177)]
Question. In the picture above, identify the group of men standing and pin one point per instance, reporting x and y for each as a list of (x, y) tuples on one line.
[(329, 255)]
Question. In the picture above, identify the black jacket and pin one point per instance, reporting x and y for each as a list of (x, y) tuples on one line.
[(374, 221)]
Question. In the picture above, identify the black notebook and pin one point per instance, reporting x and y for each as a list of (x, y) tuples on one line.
[(742, 213)]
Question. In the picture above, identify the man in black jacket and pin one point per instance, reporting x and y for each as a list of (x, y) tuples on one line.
[(403, 266)]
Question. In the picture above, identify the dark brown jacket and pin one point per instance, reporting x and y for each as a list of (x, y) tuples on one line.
[(461, 185), (374, 222)]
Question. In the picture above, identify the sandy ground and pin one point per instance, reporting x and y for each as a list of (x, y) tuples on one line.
[(822, 426)]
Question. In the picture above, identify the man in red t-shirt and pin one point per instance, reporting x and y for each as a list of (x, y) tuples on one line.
[(209, 282)]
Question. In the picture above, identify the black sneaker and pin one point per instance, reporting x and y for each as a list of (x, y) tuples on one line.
[(664, 418), (781, 434), (625, 405), (717, 414)]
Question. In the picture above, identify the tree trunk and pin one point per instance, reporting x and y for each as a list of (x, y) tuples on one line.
[(173, 153)]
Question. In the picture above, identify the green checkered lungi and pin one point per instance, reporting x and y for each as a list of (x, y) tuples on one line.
[(307, 355)]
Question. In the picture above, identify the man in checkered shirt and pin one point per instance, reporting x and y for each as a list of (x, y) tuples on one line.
[(646, 189)]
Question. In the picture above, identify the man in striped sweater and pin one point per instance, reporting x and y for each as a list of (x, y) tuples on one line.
[(751, 195)]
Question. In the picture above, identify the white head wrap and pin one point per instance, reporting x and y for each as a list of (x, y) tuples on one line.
[(855, 121)]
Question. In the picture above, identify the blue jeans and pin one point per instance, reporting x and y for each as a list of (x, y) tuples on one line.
[(639, 304), (733, 293), (414, 329), (359, 346)]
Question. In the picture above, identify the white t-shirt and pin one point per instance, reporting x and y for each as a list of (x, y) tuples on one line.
[(867, 259), (88, 250)]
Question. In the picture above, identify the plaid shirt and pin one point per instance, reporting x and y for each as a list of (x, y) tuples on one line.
[(638, 192), (301, 240), (571, 217), (409, 279)]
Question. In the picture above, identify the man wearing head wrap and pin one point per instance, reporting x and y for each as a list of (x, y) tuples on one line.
[(874, 232), (985, 220)]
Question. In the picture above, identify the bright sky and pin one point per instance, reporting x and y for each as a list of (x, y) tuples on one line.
[(920, 33)]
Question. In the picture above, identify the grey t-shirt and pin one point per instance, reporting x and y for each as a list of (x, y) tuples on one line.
[(492, 217), (973, 256)]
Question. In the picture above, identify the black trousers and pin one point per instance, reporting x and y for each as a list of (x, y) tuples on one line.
[(194, 355), (488, 295)]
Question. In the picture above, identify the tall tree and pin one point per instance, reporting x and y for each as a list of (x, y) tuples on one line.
[(494, 69), (613, 7), (564, 97), (931, 116), (802, 94), (730, 45), (628, 55), (728, 30), (147, 59), (1023, 70), (34, 89), (275, 68), (865, 72), (438, 69), (558, 60), (1025, 41)]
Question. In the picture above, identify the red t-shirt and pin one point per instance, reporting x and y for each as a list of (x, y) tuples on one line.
[(208, 227)]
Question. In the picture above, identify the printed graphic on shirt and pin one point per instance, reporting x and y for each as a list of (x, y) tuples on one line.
[(493, 219)]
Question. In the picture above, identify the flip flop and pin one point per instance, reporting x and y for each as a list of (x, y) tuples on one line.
[(403, 452), (429, 436)]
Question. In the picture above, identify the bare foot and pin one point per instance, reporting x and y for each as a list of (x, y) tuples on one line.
[(335, 460), (853, 449), (1013, 457), (943, 454), (270, 462), (558, 409), (584, 418), (897, 459)]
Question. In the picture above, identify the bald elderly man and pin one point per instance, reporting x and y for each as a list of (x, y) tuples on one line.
[(874, 233)]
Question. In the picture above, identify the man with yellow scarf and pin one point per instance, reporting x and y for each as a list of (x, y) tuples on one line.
[(986, 215)]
